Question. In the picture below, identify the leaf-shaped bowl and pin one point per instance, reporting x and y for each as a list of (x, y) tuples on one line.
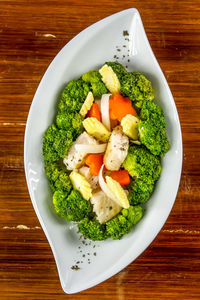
[(106, 40)]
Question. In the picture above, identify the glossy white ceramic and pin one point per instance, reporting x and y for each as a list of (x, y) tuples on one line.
[(89, 50)]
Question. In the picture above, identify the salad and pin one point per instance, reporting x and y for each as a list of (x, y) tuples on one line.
[(103, 153)]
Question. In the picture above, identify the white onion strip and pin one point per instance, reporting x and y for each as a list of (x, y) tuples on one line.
[(90, 148), (105, 110), (104, 185)]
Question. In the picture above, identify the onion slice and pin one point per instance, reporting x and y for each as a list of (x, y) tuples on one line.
[(105, 110), (105, 187), (90, 148)]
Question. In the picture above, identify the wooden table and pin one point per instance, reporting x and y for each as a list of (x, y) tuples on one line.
[(31, 34)]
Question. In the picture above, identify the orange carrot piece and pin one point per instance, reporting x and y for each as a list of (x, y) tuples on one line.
[(119, 107), (94, 112), (94, 161), (121, 176)]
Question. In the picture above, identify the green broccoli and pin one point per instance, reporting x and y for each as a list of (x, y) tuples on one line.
[(71, 122), (151, 127), (49, 152), (63, 142), (56, 142), (58, 177), (115, 228), (119, 70), (140, 163), (73, 207), (97, 86), (74, 95), (123, 222), (140, 191), (60, 203), (137, 87), (77, 207), (92, 229)]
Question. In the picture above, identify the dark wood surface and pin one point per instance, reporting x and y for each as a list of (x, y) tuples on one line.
[(31, 34)]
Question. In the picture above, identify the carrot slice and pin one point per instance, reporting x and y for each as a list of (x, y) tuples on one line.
[(119, 107), (121, 176), (94, 161), (94, 112)]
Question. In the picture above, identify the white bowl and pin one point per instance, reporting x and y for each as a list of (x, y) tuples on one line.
[(89, 50)]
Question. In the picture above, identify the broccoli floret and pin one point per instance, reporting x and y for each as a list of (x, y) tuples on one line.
[(49, 152), (58, 177), (63, 142), (152, 131), (70, 122), (141, 164), (115, 228), (137, 87), (92, 76), (123, 222), (119, 70), (92, 229), (77, 207), (72, 207), (140, 191), (60, 203), (74, 95), (97, 86), (56, 143), (150, 110)]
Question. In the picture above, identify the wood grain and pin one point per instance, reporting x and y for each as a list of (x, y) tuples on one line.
[(31, 34)]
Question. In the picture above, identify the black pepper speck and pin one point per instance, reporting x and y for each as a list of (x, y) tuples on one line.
[(75, 267), (125, 32)]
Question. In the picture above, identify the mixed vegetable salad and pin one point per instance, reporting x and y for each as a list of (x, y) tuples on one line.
[(103, 153)]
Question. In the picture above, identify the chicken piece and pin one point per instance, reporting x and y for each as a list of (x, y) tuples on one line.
[(75, 158), (117, 149), (104, 207), (93, 180)]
